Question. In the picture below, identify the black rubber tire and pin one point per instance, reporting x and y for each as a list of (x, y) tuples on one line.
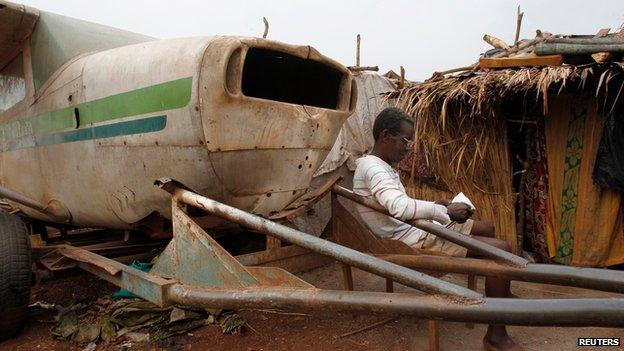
[(15, 274)]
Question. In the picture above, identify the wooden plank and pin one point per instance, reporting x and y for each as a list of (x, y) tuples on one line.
[(304, 203), (347, 231), (347, 276), (272, 242), (389, 285), (524, 61), (301, 263), (80, 255), (434, 335), (268, 256), (290, 258)]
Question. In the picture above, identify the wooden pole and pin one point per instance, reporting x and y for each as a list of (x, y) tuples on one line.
[(518, 24), (495, 42), (363, 68), (453, 70), (357, 51), (347, 277), (266, 27), (402, 81), (434, 335), (543, 49), (389, 285)]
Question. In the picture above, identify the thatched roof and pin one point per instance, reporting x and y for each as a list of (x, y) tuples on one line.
[(482, 92)]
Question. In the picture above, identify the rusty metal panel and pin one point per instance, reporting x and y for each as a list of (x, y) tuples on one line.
[(277, 277), (193, 257)]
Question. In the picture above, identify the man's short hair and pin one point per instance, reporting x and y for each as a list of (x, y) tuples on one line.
[(390, 119)]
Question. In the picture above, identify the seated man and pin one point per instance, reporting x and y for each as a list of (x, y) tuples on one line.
[(376, 179)]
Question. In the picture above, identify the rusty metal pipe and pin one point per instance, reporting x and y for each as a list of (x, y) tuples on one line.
[(607, 312), (21, 199), (346, 255), (440, 231), (59, 214), (590, 278)]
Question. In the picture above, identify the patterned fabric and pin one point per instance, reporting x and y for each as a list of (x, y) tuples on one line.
[(415, 164), (535, 196), (571, 173)]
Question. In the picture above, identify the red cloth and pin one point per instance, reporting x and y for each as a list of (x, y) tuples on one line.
[(535, 195)]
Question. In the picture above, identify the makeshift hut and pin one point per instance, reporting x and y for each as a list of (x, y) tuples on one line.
[(530, 135)]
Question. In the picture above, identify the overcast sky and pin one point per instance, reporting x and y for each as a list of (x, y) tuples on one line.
[(423, 36)]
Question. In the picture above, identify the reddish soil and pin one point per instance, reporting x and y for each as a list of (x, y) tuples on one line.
[(319, 331)]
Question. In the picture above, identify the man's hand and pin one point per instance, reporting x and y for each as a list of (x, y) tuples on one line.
[(443, 202), (458, 212)]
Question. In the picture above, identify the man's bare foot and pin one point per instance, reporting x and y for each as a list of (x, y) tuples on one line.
[(500, 343)]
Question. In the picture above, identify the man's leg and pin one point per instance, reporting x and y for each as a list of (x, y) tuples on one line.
[(482, 228), (496, 337)]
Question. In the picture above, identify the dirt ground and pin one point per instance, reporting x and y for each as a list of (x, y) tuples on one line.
[(270, 330)]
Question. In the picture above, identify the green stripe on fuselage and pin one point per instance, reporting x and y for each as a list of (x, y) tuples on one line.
[(160, 97), (135, 126)]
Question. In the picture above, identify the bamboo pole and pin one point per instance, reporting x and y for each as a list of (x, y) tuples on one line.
[(576, 48)]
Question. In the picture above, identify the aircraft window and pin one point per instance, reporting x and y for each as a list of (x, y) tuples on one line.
[(278, 76), (12, 84)]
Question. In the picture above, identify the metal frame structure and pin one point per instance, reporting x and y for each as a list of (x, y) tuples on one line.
[(195, 270)]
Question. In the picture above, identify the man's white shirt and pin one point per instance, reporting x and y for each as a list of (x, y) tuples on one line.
[(377, 180)]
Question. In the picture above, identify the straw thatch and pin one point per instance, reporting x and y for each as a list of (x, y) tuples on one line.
[(460, 127)]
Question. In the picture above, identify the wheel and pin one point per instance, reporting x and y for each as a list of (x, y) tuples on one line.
[(15, 273)]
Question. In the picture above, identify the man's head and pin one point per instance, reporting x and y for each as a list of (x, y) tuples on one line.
[(393, 131)]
